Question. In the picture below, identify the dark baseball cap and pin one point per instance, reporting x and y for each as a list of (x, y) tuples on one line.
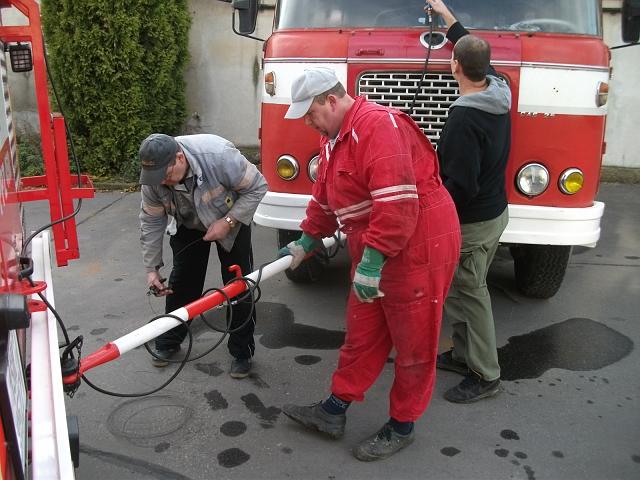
[(157, 152)]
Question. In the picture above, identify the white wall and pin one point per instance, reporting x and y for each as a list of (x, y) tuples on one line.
[(224, 74), (21, 85), (623, 119)]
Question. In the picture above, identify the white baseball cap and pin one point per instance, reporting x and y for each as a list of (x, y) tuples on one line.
[(306, 87)]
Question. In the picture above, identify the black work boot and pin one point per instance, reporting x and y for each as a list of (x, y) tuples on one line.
[(383, 444), (472, 389), (445, 361), (240, 368), (163, 356), (314, 417)]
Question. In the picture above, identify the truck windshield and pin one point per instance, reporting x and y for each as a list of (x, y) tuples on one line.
[(565, 16)]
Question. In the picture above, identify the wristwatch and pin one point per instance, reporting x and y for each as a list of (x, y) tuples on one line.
[(230, 221)]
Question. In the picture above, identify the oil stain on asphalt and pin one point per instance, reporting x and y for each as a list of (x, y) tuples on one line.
[(578, 344), (267, 415), (307, 359), (509, 435), (278, 329), (215, 400), (232, 457), (257, 380), (450, 451), (211, 369), (233, 428), (504, 453), (162, 447)]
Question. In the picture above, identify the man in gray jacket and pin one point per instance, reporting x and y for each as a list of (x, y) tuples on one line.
[(212, 192)]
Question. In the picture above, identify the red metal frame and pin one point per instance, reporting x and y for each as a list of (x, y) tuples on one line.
[(5, 465), (56, 185)]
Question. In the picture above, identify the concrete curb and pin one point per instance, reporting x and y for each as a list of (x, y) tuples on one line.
[(620, 175)]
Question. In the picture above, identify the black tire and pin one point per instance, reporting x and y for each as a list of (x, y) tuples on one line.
[(540, 269), (310, 270)]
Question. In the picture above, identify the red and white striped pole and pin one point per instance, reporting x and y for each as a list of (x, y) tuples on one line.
[(142, 335)]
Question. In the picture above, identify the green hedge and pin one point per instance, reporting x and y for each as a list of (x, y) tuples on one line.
[(118, 67)]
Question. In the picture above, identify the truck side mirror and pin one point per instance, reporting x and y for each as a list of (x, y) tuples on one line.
[(248, 15), (631, 21)]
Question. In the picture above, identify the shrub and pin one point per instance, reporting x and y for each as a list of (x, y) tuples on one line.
[(30, 155), (118, 68)]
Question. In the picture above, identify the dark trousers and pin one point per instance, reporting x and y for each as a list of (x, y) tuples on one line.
[(187, 281)]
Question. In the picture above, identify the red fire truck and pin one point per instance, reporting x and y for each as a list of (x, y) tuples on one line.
[(37, 439), (550, 52)]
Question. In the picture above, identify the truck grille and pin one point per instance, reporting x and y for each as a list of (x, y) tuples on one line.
[(396, 89)]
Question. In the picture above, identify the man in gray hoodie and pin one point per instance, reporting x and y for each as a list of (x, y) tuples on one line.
[(473, 151), (212, 192)]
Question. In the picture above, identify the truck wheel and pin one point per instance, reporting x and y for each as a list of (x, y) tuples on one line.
[(539, 269), (310, 270)]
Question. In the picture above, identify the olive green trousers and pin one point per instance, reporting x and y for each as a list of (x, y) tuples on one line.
[(468, 305)]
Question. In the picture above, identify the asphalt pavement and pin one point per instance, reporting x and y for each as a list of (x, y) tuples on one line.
[(571, 391)]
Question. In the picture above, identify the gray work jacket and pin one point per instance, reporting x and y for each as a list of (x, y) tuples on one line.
[(226, 183)]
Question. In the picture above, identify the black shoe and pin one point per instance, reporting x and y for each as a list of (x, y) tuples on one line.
[(163, 357), (445, 361), (472, 389), (382, 445), (314, 417), (240, 367)]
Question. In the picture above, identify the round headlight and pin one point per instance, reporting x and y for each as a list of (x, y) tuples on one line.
[(571, 181), (287, 167), (312, 169), (532, 179)]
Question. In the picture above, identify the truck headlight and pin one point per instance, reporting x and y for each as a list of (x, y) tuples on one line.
[(287, 167), (571, 181), (312, 169), (532, 179)]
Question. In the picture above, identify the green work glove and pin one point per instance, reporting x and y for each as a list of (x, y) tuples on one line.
[(299, 249), (367, 277)]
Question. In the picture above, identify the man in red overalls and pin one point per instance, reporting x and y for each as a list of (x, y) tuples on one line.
[(378, 182)]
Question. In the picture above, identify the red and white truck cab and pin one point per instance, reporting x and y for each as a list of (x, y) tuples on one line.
[(551, 54)]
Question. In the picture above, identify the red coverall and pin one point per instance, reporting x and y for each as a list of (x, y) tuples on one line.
[(381, 183)]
